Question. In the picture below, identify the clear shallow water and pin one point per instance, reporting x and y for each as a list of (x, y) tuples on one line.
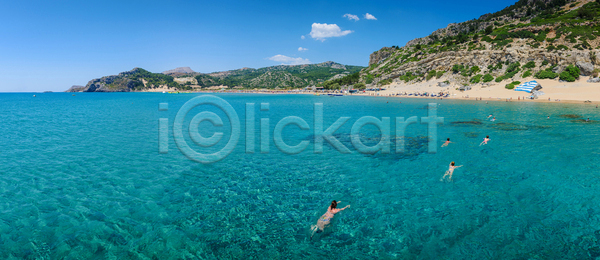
[(81, 177)]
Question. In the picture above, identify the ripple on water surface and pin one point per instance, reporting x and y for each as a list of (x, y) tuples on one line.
[(88, 182)]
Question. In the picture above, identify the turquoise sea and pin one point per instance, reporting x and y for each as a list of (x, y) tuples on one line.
[(81, 177)]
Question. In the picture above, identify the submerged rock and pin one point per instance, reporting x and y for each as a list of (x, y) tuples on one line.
[(471, 134), (584, 121), (472, 122), (570, 116)]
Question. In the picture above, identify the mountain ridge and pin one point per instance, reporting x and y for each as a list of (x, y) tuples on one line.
[(185, 79)]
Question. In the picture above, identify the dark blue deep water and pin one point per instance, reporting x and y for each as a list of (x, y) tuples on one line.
[(81, 177)]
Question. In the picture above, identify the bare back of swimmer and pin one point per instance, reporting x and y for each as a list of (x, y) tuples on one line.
[(325, 219)]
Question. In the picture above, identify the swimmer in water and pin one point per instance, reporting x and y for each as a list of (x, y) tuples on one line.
[(485, 140), (490, 116), (446, 143), (493, 119), (326, 218), (449, 172)]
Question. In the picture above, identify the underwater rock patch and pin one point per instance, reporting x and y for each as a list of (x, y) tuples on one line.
[(570, 116), (585, 122), (472, 122), (471, 134)]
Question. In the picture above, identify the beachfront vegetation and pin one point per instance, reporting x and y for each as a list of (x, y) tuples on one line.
[(431, 74), (488, 77), (526, 74), (345, 81), (369, 79), (409, 76), (511, 71), (476, 79), (512, 85), (529, 65), (385, 82), (570, 74), (360, 85), (546, 74)]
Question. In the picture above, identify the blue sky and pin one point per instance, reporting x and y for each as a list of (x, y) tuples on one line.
[(51, 45)]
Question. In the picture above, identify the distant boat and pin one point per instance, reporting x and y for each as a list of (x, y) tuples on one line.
[(338, 95), (164, 92)]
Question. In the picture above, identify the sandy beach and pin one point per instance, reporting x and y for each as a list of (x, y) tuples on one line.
[(555, 91)]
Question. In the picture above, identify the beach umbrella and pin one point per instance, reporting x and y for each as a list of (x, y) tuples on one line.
[(527, 86)]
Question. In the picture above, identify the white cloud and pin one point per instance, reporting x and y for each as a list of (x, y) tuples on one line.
[(302, 37), (289, 60), (369, 16), (302, 49), (320, 31), (351, 17)]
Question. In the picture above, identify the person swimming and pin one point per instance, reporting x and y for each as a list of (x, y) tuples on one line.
[(325, 219), (449, 172), (485, 140), (493, 119), (446, 143), (490, 116)]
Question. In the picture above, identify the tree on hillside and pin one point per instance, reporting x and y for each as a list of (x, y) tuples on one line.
[(489, 29), (585, 13)]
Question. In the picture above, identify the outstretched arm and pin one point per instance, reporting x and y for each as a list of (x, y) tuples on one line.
[(338, 210)]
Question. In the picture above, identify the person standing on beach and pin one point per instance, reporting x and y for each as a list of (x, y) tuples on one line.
[(326, 218), (449, 172), (485, 140)]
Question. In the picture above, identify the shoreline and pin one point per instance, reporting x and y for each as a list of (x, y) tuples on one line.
[(580, 91), (367, 94), (387, 95)]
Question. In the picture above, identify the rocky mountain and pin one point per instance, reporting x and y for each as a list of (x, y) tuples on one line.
[(539, 38), (76, 88), (136, 79), (178, 71), (281, 76)]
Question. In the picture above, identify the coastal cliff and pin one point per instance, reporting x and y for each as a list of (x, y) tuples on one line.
[(530, 38)]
